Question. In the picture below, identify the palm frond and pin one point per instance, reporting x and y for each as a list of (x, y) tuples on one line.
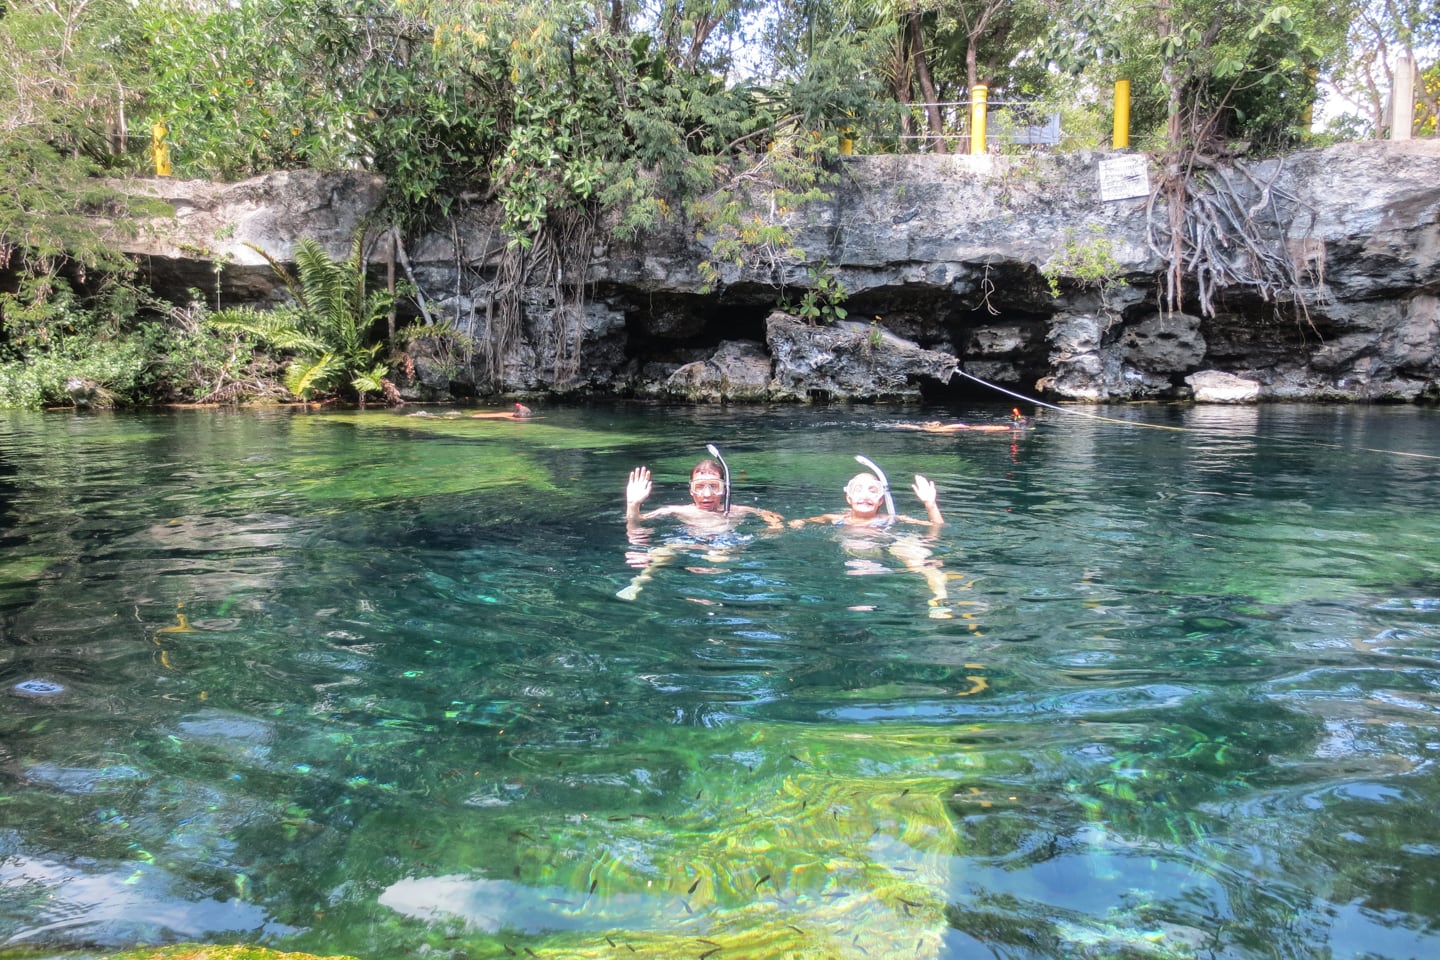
[(285, 276), (330, 322), (369, 381), (304, 377), (273, 328)]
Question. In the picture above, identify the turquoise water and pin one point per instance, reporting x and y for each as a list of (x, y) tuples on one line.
[(359, 682)]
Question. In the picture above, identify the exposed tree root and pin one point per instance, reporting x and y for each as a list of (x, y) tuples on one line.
[(1226, 227)]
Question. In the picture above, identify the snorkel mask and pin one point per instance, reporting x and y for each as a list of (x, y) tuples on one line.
[(884, 483)]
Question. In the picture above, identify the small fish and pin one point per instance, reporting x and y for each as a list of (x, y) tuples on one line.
[(708, 943), (611, 942), (594, 883), (532, 952), (709, 953), (693, 886), (508, 950), (686, 904), (760, 881)]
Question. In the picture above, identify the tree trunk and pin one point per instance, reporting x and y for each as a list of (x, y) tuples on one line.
[(934, 120)]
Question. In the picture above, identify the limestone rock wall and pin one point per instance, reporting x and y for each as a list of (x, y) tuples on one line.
[(945, 260)]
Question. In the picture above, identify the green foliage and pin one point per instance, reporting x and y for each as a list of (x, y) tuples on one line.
[(106, 372), (821, 302), (64, 90), (1089, 262), (70, 76), (50, 334), (875, 336), (1206, 74), (117, 347), (192, 361), (327, 328), (1379, 32), (747, 222), (444, 346)]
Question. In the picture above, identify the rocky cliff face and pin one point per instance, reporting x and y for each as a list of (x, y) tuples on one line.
[(1016, 271)]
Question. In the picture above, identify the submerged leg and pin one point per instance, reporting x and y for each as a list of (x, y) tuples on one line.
[(646, 561), (917, 559)]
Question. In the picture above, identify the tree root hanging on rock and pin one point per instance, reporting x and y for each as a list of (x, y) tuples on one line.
[(1226, 227)]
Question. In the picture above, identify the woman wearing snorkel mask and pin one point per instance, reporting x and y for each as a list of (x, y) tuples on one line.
[(865, 495)]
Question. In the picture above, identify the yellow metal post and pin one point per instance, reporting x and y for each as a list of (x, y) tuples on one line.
[(977, 118), (1121, 138), (160, 150)]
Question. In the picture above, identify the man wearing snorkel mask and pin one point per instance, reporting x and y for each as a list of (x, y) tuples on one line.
[(866, 495), (707, 492), (709, 518)]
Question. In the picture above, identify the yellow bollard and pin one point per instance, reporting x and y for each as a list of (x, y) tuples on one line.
[(159, 149), (1121, 138), (977, 118)]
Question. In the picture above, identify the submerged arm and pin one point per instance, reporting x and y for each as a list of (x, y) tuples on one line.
[(769, 516), (823, 518)]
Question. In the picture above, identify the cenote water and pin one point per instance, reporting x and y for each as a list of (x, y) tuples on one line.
[(359, 682)]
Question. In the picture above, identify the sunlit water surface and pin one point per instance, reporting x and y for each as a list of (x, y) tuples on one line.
[(360, 682)]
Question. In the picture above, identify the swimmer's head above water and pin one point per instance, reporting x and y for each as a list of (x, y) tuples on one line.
[(865, 494), (707, 486)]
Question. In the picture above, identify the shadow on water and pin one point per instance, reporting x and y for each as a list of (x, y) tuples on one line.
[(360, 683)]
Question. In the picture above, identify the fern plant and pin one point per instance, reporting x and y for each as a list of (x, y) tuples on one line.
[(327, 327)]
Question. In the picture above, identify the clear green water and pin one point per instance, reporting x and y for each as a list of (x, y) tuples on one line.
[(359, 682)]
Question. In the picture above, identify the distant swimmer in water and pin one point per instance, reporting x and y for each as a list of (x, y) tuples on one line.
[(707, 518), (519, 412), (1017, 422), (865, 494)]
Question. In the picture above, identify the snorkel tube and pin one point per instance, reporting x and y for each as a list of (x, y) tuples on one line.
[(714, 451), (884, 483)]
